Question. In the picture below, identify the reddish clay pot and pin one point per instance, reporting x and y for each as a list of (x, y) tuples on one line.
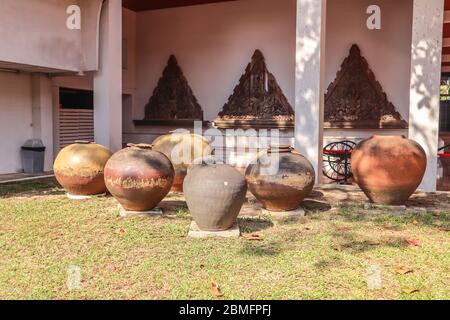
[(79, 168), (182, 149), (388, 169), (138, 177), (281, 178), (214, 194)]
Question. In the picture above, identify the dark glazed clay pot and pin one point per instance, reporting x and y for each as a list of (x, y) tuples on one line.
[(388, 169), (214, 194), (138, 177), (79, 168), (182, 149), (281, 178)]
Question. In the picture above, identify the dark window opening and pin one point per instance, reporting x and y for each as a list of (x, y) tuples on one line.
[(76, 99)]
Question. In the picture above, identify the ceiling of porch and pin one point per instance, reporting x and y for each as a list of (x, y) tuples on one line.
[(144, 5)]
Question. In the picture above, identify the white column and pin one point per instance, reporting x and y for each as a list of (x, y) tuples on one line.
[(426, 59), (42, 114), (309, 80), (108, 79)]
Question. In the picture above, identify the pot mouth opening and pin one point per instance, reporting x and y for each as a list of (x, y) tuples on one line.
[(142, 146), (282, 148), (83, 142)]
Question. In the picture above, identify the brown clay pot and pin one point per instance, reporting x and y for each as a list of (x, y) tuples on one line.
[(281, 178), (182, 149), (214, 194), (388, 168), (79, 168), (138, 177)]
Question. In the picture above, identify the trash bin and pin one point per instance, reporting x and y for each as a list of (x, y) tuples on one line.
[(33, 153)]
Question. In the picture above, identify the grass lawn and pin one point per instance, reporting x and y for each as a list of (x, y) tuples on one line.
[(325, 255)]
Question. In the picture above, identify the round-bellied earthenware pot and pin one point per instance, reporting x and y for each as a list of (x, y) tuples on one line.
[(79, 168), (139, 177), (182, 149), (214, 194), (281, 178), (388, 169)]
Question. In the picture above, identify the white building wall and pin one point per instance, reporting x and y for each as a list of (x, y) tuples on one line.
[(15, 120), (35, 33)]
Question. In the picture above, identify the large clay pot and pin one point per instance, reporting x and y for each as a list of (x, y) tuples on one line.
[(388, 168), (79, 168), (281, 178), (139, 177), (214, 194), (182, 149)]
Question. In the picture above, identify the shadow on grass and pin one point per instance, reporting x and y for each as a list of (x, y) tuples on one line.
[(260, 249), (249, 225), (316, 206), (43, 187), (328, 263)]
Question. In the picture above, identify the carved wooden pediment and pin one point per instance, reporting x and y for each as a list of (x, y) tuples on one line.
[(257, 101), (355, 99), (173, 99)]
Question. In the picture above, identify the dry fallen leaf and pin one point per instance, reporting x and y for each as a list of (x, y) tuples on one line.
[(413, 242), (120, 231), (254, 237), (341, 229), (409, 290), (215, 290), (415, 222), (374, 243), (338, 248), (444, 229), (403, 271)]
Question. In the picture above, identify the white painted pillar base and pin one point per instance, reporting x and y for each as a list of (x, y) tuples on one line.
[(309, 81), (108, 79), (42, 114), (426, 59)]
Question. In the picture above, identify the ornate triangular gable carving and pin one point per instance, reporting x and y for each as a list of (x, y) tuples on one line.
[(173, 98), (257, 100), (355, 99)]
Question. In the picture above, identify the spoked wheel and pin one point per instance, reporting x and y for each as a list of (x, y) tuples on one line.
[(337, 161)]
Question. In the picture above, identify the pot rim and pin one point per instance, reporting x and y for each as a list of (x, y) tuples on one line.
[(280, 148), (83, 142), (142, 146), (392, 136)]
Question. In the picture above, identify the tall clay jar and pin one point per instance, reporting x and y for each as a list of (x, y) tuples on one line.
[(139, 177), (281, 178), (388, 169), (182, 149), (79, 168), (214, 194)]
